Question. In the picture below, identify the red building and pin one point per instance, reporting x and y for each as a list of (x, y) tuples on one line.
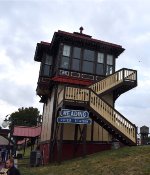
[(78, 73)]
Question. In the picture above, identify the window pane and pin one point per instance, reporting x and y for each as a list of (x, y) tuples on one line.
[(66, 51), (75, 64), (100, 58), (88, 55), (76, 52), (100, 69), (109, 70), (46, 70), (110, 59), (87, 67), (48, 59), (64, 62)]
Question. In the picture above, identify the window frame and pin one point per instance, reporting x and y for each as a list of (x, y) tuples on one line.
[(74, 58), (84, 59), (99, 59), (61, 63), (87, 59), (100, 63), (93, 70), (44, 64), (64, 56), (109, 66)]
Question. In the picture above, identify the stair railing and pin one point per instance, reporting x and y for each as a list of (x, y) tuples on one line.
[(113, 80), (77, 94), (103, 109), (113, 116)]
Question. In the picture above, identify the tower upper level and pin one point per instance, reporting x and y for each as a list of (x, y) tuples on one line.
[(76, 58), (78, 53)]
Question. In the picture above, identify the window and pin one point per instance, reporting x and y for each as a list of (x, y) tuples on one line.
[(100, 58), (66, 51), (46, 70), (46, 66), (65, 59), (48, 59), (88, 61), (76, 52), (88, 55), (109, 68), (76, 64), (100, 64), (76, 60), (88, 67), (109, 59), (64, 62), (100, 69)]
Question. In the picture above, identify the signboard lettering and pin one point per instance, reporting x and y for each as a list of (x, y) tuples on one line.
[(74, 116), (74, 113), (73, 120)]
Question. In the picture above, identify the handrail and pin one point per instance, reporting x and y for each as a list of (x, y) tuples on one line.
[(77, 94), (113, 116), (105, 110), (113, 80)]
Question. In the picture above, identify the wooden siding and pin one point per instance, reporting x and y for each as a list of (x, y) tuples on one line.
[(100, 134), (47, 119)]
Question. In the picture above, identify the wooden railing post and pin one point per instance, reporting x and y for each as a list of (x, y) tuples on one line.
[(123, 74)]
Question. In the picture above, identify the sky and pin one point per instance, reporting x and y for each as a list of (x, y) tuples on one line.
[(24, 23)]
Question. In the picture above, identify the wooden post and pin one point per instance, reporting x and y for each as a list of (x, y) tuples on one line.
[(92, 130), (24, 146), (54, 124), (53, 142), (75, 139), (60, 143), (84, 139)]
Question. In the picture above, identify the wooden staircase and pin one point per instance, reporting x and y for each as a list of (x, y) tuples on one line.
[(103, 113), (119, 82)]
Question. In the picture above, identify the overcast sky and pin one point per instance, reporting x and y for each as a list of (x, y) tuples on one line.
[(24, 23)]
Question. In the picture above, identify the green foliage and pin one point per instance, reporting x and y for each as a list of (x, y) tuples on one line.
[(25, 117)]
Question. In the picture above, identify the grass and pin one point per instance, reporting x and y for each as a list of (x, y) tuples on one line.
[(124, 161)]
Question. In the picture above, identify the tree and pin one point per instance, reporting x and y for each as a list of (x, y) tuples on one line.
[(25, 117)]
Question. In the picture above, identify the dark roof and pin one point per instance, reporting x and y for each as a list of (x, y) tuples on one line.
[(86, 41), (88, 38), (80, 38), (40, 48)]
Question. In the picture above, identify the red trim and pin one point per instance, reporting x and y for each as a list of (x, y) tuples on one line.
[(44, 148), (70, 152), (72, 80), (25, 131)]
